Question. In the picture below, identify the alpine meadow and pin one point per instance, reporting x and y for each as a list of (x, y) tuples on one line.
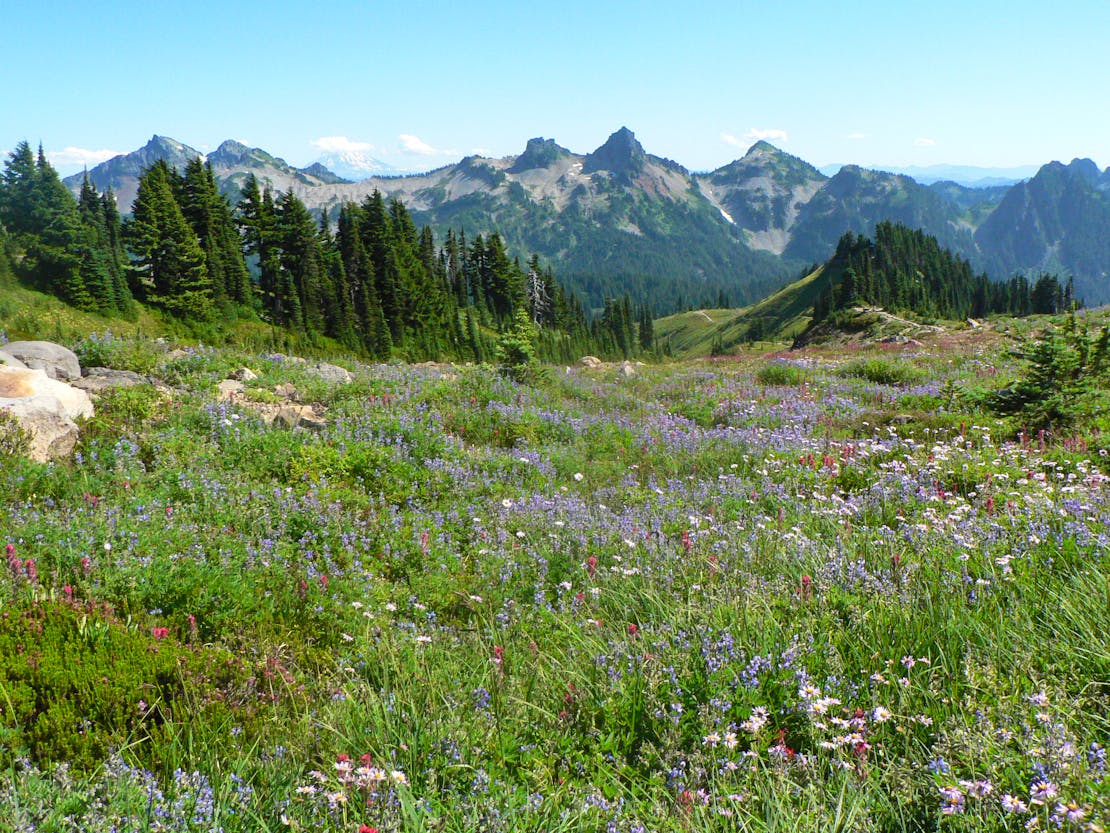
[(414, 486)]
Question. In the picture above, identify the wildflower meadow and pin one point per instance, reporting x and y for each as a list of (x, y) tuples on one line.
[(821, 590)]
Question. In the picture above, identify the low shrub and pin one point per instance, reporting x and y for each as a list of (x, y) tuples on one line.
[(781, 373), (77, 683), (881, 371)]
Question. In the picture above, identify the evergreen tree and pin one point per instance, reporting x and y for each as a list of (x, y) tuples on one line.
[(257, 219), (339, 318), (212, 220), (647, 329), (376, 238), (169, 264), (370, 321), (302, 284)]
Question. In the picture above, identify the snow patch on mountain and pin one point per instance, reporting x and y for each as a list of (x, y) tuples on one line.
[(355, 165)]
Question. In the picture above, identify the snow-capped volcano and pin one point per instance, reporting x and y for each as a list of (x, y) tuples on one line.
[(355, 165)]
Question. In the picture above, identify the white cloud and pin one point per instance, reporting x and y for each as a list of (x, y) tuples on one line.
[(414, 144), (340, 144), (924, 143), (856, 136), (754, 135), (80, 157)]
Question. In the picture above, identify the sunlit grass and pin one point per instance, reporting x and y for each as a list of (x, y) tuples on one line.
[(826, 592)]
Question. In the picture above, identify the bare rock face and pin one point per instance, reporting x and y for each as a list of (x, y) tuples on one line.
[(45, 408), (11, 361), (59, 362)]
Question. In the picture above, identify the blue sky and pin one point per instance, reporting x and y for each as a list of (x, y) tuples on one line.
[(419, 84)]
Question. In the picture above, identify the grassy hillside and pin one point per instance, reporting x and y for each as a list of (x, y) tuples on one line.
[(779, 317)]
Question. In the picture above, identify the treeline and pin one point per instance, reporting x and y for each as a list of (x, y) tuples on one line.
[(69, 248), (368, 279), (906, 270)]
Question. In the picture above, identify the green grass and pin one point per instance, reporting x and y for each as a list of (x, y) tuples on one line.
[(740, 595)]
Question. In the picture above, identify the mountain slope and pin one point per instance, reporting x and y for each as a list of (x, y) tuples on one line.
[(121, 173), (762, 193), (778, 317), (232, 162), (1057, 221), (857, 200), (620, 219)]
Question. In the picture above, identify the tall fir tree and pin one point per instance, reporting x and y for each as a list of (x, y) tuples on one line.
[(169, 265)]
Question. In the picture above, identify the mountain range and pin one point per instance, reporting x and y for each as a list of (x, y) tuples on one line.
[(973, 176), (620, 219)]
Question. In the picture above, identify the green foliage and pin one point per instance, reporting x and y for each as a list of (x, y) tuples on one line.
[(15, 441), (1064, 379), (169, 268), (375, 284), (907, 271), (781, 373), (881, 371), (137, 355), (65, 249), (77, 682), (123, 412), (516, 351)]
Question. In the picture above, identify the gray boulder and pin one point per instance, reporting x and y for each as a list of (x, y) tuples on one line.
[(330, 372), (11, 361), (99, 379), (297, 416), (228, 389), (45, 408), (59, 362)]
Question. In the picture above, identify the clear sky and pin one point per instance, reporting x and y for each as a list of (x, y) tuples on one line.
[(421, 83)]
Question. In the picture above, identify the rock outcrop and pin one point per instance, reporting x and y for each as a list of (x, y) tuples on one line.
[(97, 380), (46, 408), (59, 362), (11, 361)]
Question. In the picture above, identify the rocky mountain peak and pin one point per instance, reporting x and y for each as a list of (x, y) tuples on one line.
[(762, 148), (230, 152), (324, 174), (1086, 168), (621, 154), (160, 147), (538, 153)]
